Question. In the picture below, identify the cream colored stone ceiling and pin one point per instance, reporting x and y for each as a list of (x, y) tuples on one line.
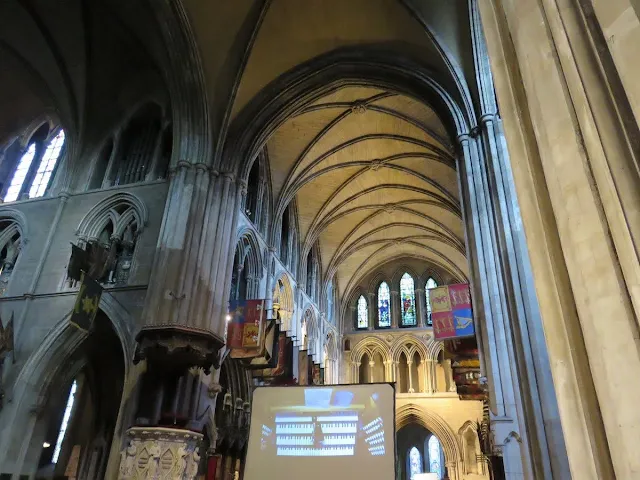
[(375, 179)]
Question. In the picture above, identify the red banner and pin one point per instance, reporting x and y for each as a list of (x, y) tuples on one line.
[(451, 313), (244, 328)]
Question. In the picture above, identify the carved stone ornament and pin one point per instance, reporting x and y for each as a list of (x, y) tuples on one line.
[(178, 347), (160, 453)]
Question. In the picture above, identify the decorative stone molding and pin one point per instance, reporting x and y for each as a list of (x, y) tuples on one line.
[(160, 453), (171, 346), (94, 221)]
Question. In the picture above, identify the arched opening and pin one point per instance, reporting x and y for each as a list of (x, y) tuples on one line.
[(365, 369), (80, 415), (416, 384), (419, 451), (470, 449), (378, 368), (34, 165), (384, 306), (408, 299), (101, 165), (239, 275), (138, 146), (362, 313), (403, 374)]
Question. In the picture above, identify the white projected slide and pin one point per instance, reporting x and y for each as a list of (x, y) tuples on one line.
[(335, 432)]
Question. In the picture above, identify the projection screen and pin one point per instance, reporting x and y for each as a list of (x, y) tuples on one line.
[(338, 432)]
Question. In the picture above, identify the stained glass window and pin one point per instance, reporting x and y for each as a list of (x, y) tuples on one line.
[(65, 422), (47, 164), (20, 174), (415, 462), (435, 452), (363, 314), (431, 283), (408, 296), (384, 312)]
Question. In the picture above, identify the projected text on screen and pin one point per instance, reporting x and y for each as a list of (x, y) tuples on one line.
[(322, 426)]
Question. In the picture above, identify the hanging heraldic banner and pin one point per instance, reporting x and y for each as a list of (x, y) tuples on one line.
[(87, 302), (246, 327), (451, 312)]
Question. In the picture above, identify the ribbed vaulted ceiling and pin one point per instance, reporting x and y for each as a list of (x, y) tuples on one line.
[(375, 179)]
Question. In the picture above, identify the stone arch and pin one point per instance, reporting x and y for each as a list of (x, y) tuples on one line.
[(18, 219), (332, 345), (248, 248), (54, 364), (308, 330), (470, 446), (433, 273), (409, 344), (370, 346), (376, 67), (412, 413), (133, 211), (434, 348), (376, 280), (400, 271), (283, 299)]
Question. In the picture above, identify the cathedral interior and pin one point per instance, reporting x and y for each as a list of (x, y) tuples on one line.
[(336, 160)]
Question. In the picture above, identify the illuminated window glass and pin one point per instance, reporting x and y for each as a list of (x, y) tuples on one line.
[(363, 317), (47, 164), (20, 174), (384, 312), (408, 296), (435, 452), (415, 462), (65, 422), (431, 283)]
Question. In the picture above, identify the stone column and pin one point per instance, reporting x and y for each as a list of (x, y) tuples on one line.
[(355, 372), (353, 316), (395, 309), (421, 309), (577, 181), (184, 314), (448, 375), (372, 364), (410, 379), (427, 367), (372, 310)]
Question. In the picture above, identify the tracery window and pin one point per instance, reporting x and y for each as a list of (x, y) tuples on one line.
[(384, 303), (65, 422), (415, 462), (408, 296), (363, 313), (431, 283), (435, 453), (32, 168), (47, 165)]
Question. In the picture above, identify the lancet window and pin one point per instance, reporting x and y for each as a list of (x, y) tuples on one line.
[(384, 305)]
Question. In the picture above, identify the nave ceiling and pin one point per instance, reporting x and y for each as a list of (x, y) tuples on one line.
[(375, 179)]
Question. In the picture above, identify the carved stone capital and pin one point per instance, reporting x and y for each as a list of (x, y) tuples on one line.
[(157, 452), (178, 347)]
